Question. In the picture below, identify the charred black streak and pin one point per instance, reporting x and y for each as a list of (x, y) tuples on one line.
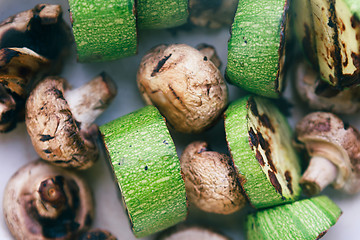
[(45, 138), (270, 161), (263, 143), (260, 158), (160, 65), (275, 182), (253, 107), (264, 119), (253, 138), (288, 178)]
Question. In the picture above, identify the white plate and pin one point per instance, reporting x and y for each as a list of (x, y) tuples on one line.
[(16, 149)]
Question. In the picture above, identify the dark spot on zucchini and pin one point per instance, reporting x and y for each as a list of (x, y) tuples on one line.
[(253, 139), (146, 168), (264, 119), (260, 158), (288, 178), (160, 65), (274, 181), (253, 107), (263, 143)]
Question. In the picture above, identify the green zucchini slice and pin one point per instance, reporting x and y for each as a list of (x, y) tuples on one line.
[(256, 49), (259, 140), (147, 169), (157, 14), (335, 27), (303, 220), (103, 30)]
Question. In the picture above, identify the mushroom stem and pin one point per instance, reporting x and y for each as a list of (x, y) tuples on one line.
[(90, 100), (52, 198), (320, 173)]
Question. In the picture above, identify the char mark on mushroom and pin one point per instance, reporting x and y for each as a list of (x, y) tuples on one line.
[(160, 65)]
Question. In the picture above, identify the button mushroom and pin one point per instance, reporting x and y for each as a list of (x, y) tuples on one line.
[(59, 120), (184, 85), (211, 181), (20, 68), (192, 233), (42, 201), (41, 29), (322, 96), (97, 234), (334, 148)]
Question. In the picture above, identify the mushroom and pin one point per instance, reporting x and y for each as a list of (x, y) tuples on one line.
[(44, 202), (41, 29), (97, 234), (59, 120), (211, 181), (320, 95), (192, 233), (20, 68), (334, 148), (212, 14), (184, 85)]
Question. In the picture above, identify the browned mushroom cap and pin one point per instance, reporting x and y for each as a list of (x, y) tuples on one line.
[(210, 180), (20, 68), (321, 96), (41, 29), (42, 202), (335, 153), (59, 120), (97, 234), (212, 14), (193, 233), (184, 85)]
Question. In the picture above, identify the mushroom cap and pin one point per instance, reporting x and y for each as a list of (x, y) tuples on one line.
[(54, 132), (324, 134), (41, 29), (97, 234), (193, 233), (20, 196), (321, 96), (20, 68), (211, 181), (184, 85)]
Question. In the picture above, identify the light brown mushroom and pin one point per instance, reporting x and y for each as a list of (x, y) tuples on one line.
[(44, 202), (321, 96), (211, 181), (97, 234), (334, 148), (212, 14), (20, 69), (60, 121), (192, 233), (41, 29), (186, 87)]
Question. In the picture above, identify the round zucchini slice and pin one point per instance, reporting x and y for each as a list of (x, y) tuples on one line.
[(103, 30), (256, 49), (303, 220), (259, 140), (145, 164), (157, 14)]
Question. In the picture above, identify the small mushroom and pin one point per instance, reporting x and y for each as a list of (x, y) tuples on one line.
[(211, 181), (60, 121), (44, 202), (186, 87), (334, 148), (20, 69), (192, 233), (41, 29), (97, 234), (320, 95), (212, 14)]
